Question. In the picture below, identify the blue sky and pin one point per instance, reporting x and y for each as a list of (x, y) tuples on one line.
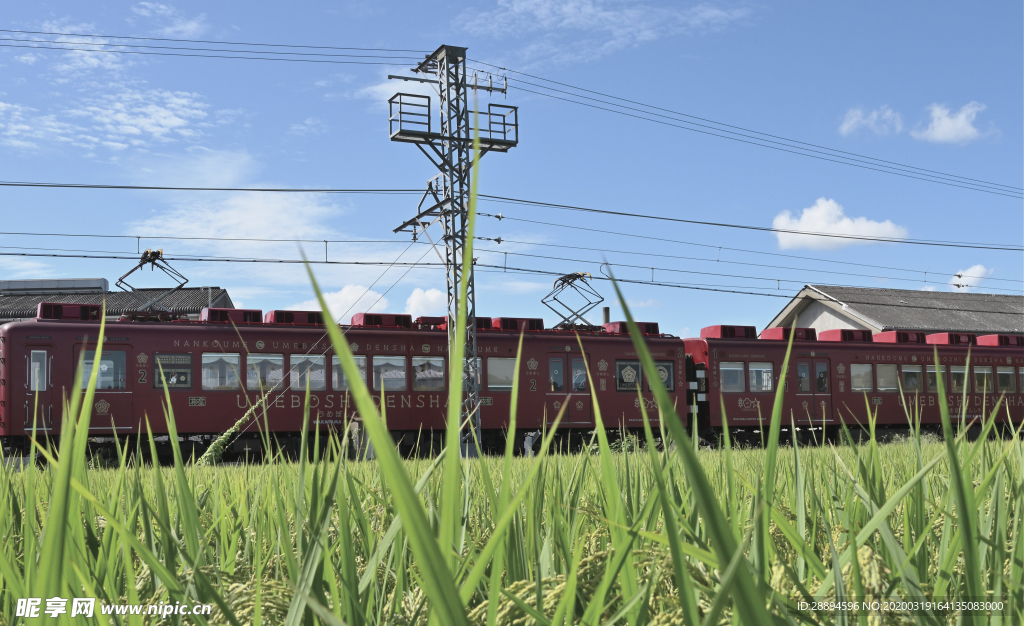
[(934, 85)]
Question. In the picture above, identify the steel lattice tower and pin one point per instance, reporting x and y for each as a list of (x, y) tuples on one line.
[(449, 149)]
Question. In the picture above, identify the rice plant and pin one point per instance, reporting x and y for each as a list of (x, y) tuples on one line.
[(908, 532)]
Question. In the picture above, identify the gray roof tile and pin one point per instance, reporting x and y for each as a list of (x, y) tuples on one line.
[(186, 301)]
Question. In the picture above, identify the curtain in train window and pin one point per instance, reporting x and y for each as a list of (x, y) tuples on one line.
[(220, 371), (983, 380), (887, 377), (264, 371), (931, 376), (428, 373), (389, 373), (860, 377), (302, 367), (112, 372), (338, 380), (501, 371), (1005, 380), (958, 379), (731, 375), (761, 377), (912, 382)]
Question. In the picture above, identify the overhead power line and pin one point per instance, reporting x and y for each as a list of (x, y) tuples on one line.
[(746, 135), (524, 202), (438, 265), (226, 43)]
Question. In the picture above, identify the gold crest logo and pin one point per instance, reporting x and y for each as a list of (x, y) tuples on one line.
[(141, 357), (102, 406)]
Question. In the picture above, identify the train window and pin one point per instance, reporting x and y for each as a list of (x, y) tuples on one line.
[(958, 379), (887, 378), (339, 382), (627, 375), (428, 373), (860, 377), (579, 375), (264, 371), (731, 374), (803, 377), (556, 374), (389, 373), (666, 372), (302, 367), (911, 378), (1020, 378), (37, 371), (931, 376), (176, 370), (1004, 377), (220, 371), (821, 376), (113, 373), (501, 371), (761, 376), (983, 381)]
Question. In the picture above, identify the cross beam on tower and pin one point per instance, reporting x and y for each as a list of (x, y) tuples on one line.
[(447, 141)]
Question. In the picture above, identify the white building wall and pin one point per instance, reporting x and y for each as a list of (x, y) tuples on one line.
[(820, 317)]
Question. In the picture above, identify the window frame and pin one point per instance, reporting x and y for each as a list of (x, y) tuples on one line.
[(620, 367), (226, 356), (966, 378), (260, 357), (338, 377), (1012, 377), (937, 371), (771, 377), (870, 374), (295, 376), (920, 378), (427, 359), (800, 379), (405, 368), (987, 389), (895, 379), (743, 376)]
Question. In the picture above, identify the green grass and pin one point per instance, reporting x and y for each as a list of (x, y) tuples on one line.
[(649, 536)]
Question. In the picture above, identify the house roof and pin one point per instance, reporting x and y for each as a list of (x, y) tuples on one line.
[(186, 301), (906, 309)]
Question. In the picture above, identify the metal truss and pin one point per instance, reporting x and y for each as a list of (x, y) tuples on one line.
[(446, 198), (155, 259), (572, 314)]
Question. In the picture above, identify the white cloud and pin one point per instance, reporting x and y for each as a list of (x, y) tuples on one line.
[(154, 114), (929, 288), (28, 59), (186, 28), (649, 303), (174, 24), (429, 302), (828, 216), (881, 121), (347, 301), (588, 29), (965, 280), (956, 128), (151, 9), (381, 92), (309, 126)]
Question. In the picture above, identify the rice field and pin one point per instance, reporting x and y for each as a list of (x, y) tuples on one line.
[(921, 531)]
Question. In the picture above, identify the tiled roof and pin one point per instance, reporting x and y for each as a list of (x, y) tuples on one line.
[(187, 301), (937, 311)]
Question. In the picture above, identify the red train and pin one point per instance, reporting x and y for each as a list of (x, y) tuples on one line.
[(217, 367)]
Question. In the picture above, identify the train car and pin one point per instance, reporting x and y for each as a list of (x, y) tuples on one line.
[(216, 368), (830, 375)]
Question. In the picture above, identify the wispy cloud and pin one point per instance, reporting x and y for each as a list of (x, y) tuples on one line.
[(170, 21), (945, 127), (965, 280), (828, 216), (590, 29), (881, 121), (309, 126)]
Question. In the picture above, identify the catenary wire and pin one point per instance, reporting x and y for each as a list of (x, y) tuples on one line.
[(437, 265), (226, 43), (774, 147), (520, 201), (202, 56), (740, 128)]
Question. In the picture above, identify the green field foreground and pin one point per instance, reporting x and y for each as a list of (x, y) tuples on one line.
[(587, 542)]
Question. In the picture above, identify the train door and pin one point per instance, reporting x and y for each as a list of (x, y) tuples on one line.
[(567, 383), (38, 388), (112, 404), (822, 391), (813, 391)]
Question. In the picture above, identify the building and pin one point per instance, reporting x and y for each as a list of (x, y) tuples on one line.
[(824, 307), (19, 299)]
